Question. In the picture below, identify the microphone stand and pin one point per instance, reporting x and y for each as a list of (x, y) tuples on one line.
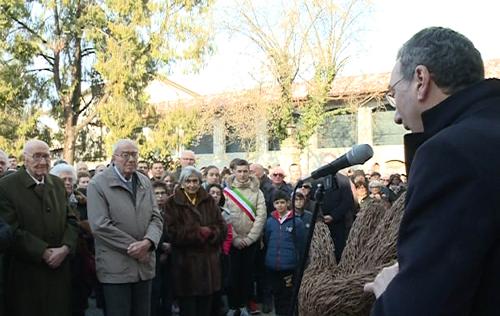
[(299, 272)]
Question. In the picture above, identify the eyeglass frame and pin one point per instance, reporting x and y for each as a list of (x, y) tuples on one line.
[(37, 157), (389, 94), (128, 154)]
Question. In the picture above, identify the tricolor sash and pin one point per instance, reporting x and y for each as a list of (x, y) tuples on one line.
[(241, 201)]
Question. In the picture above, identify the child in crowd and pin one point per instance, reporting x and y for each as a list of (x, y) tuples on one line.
[(284, 237), (301, 212), (220, 304)]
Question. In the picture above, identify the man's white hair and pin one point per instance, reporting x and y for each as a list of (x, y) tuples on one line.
[(122, 142), (5, 157), (33, 143)]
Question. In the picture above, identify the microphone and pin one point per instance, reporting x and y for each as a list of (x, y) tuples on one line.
[(359, 154)]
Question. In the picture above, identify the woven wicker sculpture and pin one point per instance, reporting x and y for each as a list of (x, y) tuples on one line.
[(337, 290)]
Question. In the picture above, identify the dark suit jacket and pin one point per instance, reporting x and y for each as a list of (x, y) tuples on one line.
[(38, 222), (449, 239)]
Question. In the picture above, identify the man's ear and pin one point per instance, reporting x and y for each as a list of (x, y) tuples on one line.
[(424, 82)]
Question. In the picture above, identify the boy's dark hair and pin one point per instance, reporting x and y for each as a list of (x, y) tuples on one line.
[(143, 161), (299, 194), (280, 195), (160, 184), (238, 162), (222, 198)]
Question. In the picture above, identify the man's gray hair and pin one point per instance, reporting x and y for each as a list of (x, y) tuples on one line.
[(57, 170), (5, 157), (121, 142), (188, 172), (451, 58)]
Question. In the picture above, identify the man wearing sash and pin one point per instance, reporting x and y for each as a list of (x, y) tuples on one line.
[(247, 207)]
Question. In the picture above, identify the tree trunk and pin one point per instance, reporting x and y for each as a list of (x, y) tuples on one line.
[(69, 139)]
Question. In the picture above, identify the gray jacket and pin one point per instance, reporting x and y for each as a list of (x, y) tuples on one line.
[(117, 220)]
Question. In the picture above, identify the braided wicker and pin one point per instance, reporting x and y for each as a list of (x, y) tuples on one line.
[(337, 290)]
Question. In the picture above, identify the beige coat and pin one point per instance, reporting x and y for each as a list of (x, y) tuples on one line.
[(116, 223), (243, 227)]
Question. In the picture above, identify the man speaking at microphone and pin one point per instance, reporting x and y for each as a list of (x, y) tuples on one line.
[(448, 246)]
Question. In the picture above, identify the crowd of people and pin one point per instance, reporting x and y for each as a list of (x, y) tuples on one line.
[(144, 240)]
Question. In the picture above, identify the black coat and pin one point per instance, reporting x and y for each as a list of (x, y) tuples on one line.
[(448, 246), (338, 202), (5, 235)]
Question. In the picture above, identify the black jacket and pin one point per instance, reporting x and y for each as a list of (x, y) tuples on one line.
[(5, 235), (448, 246)]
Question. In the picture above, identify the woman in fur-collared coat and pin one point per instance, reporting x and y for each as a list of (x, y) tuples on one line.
[(196, 230)]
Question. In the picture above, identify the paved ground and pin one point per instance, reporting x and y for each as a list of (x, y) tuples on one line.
[(93, 311)]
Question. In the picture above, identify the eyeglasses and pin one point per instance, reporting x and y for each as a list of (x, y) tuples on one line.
[(278, 175), (40, 156), (389, 96), (126, 155)]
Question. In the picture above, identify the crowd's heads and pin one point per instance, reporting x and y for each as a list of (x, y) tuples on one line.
[(125, 154), (13, 162), (295, 172), (216, 191), (241, 169), (187, 158), (143, 167), (161, 193), (170, 181), (4, 162), (66, 173), (257, 170), (99, 168), (277, 175), (157, 170), (37, 158), (83, 179), (190, 179), (82, 167), (211, 174)]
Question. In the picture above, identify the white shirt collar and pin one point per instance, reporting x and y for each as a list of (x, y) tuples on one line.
[(35, 179), (284, 217), (121, 176)]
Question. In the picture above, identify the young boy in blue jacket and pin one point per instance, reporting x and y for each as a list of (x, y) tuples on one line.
[(284, 237)]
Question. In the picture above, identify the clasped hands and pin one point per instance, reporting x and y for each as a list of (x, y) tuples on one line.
[(140, 250), (55, 256)]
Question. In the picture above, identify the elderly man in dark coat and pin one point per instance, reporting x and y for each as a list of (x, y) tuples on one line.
[(448, 249), (34, 204)]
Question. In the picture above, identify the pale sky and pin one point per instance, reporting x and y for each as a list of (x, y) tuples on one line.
[(390, 24)]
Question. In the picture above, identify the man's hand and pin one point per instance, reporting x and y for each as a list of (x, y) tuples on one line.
[(382, 280), (56, 256), (46, 255), (140, 250), (239, 243), (327, 219)]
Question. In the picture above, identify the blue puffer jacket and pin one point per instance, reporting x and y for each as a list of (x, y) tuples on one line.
[(282, 249)]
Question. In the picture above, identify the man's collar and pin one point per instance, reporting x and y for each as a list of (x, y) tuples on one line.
[(35, 179), (121, 176)]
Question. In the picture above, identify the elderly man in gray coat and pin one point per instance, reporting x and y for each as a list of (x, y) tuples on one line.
[(127, 227)]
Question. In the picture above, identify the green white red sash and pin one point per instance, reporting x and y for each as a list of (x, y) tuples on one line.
[(241, 201)]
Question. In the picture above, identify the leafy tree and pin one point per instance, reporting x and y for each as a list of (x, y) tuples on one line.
[(91, 57), (178, 127), (299, 38)]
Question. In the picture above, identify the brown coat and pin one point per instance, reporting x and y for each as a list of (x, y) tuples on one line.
[(38, 222), (195, 266)]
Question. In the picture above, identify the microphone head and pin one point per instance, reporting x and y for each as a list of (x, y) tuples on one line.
[(359, 154)]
